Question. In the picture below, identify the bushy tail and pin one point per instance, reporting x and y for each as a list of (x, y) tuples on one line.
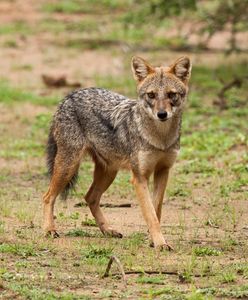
[(51, 155), (70, 186)]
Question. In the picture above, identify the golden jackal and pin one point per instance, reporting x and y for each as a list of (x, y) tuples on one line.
[(142, 135)]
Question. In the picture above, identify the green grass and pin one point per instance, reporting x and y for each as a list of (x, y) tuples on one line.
[(78, 233), (151, 279), (22, 148), (94, 254), (83, 6), (10, 43), (17, 27), (41, 123), (124, 85), (228, 277), (241, 268), (31, 292), (55, 26), (240, 292), (23, 250), (89, 222), (206, 251), (135, 240), (64, 6), (170, 292), (10, 95), (2, 227)]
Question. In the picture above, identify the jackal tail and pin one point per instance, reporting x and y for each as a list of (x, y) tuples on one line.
[(52, 150)]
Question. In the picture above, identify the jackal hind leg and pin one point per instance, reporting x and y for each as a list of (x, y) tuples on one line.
[(103, 177), (64, 169)]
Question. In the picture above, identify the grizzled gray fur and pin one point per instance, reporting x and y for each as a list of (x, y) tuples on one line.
[(142, 135)]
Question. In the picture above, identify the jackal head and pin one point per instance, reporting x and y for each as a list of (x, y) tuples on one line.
[(162, 90)]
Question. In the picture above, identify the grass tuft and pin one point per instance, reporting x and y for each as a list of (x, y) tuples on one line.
[(23, 250), (206, 251)]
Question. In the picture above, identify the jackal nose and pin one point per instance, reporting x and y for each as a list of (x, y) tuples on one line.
[(162, 115)]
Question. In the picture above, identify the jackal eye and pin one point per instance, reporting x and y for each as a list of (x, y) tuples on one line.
[(151, 95), (172, 95)]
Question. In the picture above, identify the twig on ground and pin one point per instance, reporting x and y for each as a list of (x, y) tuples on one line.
[(109, 205), (117, 261), (150, 272)]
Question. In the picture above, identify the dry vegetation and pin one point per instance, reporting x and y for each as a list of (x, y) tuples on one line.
[(205, 215)]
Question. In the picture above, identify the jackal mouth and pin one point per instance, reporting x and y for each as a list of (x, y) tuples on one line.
[(163, 120)]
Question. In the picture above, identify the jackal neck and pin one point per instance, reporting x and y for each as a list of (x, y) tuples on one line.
[(161, 135)]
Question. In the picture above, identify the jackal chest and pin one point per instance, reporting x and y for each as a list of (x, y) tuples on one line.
[(148, 161)]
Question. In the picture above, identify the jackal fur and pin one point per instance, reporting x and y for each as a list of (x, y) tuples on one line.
[(142, 135)]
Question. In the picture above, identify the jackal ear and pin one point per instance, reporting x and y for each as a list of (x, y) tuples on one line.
[(140, 68), (182, 69)]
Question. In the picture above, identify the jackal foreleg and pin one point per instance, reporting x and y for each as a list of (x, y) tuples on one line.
[(148, 210), (160, 181)]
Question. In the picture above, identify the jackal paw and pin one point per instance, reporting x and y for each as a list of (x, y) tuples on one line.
[(166, 247), (162, 247), (112, 233), (52, 233)]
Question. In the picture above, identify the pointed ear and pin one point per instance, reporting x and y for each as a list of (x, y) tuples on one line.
[(140, 68), (182, 69)]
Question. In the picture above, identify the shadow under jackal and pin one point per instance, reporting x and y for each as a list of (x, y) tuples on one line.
[(142, 135)]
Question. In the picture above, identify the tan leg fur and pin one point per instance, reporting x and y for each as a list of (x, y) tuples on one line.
[(61, 175), (148, 211), (160, 181), (103, 178)]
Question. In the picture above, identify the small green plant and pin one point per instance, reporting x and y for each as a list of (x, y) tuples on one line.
[(242, 269), (74, 216), (97, 254), (41, 123), (197, 295), (167, 292), (24, 215), (227, 277), (64, 6), (7, 276), (206, 251), (187, 275), (78, 233), (10, 44), (61, 216), (2, 223), (17, 27), (240, 292), (22, 264), (135, 239), (89, 222), (179, 191), (106, 294), (33, 292), (5, 208), (23, 250)]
